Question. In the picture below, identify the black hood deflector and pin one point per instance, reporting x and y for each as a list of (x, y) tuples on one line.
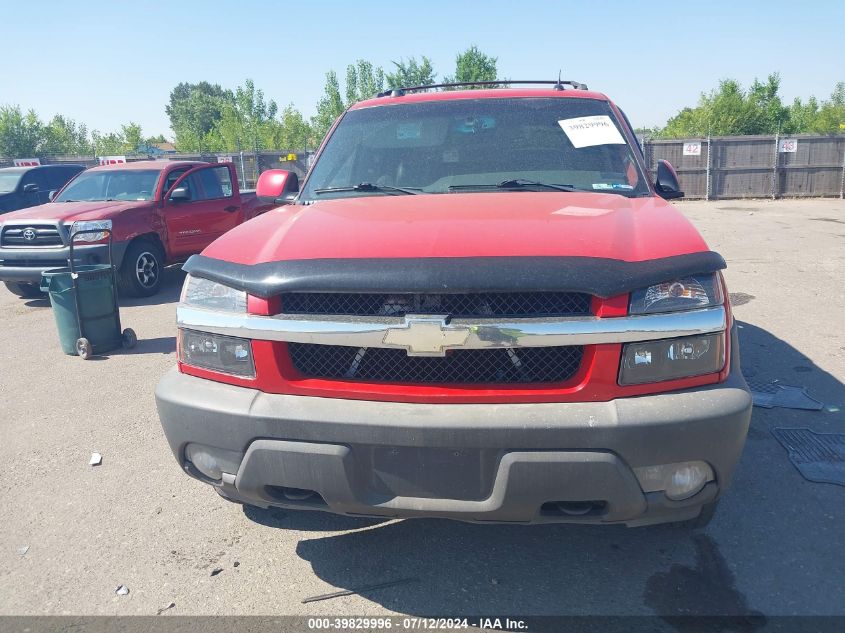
[(598, 276)]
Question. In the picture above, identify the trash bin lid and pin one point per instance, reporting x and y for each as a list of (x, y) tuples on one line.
[(81, 270)]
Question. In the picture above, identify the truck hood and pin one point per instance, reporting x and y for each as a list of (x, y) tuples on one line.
[(68, 212), (501, 224)]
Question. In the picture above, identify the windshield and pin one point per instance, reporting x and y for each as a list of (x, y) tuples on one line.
[(112, 184), (9, 181), (470, 145)]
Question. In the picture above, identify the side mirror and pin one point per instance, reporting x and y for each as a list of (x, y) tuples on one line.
[(30, 188), (277, 185), (180, 194), (52, 194), (667, 184)]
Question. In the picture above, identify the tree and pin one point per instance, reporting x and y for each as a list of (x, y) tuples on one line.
[(21, 135), (363, 81), (295, 132), (64, 136), (199, 104), (194, 111), (772, 116), (831, 113), (110, 144), (246, 123), (729, 110), (473, 65), (132, 136), (329, 107), (129, 140), (411, 73)]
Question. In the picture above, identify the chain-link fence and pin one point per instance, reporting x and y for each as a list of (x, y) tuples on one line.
[(709, 168), (754, 166)]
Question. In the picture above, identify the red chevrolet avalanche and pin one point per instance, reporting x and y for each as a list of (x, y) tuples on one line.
[(477, 306)]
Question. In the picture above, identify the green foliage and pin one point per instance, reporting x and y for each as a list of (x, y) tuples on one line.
[(129, 140), (824, 118), (248, 120), (473, 65), (363, 81), (208, 118), (329, 107), (411, 73), (731, 111), (194, 111), (64, 136), (294, 131), (21, 135)]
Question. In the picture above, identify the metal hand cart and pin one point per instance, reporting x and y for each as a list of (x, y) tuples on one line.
[(84, 300)]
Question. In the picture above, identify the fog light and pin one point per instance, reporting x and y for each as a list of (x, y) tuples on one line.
[(678, 481), (213, 462)]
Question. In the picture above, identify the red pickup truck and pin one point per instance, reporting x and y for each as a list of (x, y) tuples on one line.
[(479, 306), (160, 213)]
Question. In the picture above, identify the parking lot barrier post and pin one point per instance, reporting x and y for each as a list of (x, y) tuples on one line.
[(775, 167), (842, 181)]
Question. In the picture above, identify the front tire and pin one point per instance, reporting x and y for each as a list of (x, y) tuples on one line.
[(24, 290), (142, 269)]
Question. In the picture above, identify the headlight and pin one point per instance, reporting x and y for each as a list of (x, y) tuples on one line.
[(667, 359), (226, 354), (90, 225), (689, 293), (203, 293)]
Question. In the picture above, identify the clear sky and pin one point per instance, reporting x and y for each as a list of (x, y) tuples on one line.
[(109, 62)]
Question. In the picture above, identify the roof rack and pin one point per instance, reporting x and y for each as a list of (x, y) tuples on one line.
[(558, 85)]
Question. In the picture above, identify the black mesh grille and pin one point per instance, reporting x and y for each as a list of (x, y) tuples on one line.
[(487, 304), (462, 366)]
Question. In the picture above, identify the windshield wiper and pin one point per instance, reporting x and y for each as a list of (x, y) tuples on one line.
[(368, 186), (516, 183)]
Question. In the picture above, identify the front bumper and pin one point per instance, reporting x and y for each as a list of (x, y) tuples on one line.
[(473, 462), (27, 264)]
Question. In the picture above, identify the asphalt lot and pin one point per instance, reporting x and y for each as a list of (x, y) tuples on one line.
[(775, 546)]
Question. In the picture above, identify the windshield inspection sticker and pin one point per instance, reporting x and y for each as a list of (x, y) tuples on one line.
[(408, 131), (587, 131)]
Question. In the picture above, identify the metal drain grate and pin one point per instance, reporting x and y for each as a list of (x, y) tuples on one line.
[(818, 457)]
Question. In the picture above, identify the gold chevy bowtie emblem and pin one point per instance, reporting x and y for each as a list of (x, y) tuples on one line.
[(426, 335)]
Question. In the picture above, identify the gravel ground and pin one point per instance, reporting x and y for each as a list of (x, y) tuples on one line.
[(136, 520)]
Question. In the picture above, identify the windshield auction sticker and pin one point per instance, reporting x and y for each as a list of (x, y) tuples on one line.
[(587, 131)]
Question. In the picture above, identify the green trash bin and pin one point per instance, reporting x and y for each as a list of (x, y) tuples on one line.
[(84, 300)]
